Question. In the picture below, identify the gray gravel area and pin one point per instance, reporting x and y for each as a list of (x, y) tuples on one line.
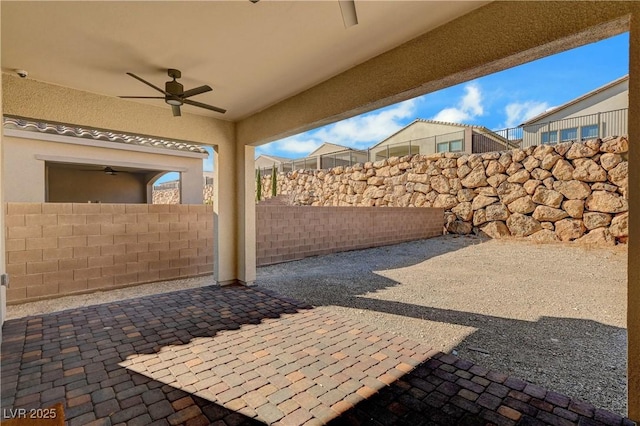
[(552, 314)]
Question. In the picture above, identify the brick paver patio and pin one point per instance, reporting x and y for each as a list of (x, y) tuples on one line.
[(237, 355)]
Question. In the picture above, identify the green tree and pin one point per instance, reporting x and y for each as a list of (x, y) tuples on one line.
[(258, 185), (274, 181)]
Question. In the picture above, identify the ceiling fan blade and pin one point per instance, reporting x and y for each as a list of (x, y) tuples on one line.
[(176, 110), (196, 91), (148, 84), (205, 106), (141, 97), (349, 15)]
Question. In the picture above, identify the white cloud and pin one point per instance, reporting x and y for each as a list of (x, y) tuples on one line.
[(519, 112), (356, 132), (469, 106)]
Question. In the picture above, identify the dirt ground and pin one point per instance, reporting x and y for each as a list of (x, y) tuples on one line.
[(552, 314)]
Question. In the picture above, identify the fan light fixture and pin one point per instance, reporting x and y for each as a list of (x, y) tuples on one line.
[(109, 171)]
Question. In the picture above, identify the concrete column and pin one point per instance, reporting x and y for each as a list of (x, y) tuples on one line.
[(191, 183), (3, 289), (633, 290), (234, 214)]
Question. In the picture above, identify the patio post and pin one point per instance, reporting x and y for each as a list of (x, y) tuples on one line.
[(633, 259), (3, 289)]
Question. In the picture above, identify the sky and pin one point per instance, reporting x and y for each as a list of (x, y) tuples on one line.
[(497, 101)]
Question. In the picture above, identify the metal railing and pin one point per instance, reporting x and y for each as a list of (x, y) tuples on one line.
[(584, 127), (449, 142)]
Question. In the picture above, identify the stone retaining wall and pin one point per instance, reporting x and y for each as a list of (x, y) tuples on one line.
[(56, 249), (565, 192), (290, 232)]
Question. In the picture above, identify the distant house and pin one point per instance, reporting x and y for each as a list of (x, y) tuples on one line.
[(430, 136), (265, 161), (57, 163), (598, 113), (325, 156)]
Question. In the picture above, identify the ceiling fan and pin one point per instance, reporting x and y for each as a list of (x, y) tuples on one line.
[(174, 93), (347, 9), (106, 170)]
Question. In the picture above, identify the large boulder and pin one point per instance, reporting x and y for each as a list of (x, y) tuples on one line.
[(572, 189), (522, 226), (523, 205), (530, 163), (593, 220), (495, 230), (599, 237), (548, 197), (496, 211), (479, 217), (548, 214), (606, 202), (494, 167), (440, 184), (608, 160), (562, 170), (619, 175), (574, 208), (620, 225), (509, 192), (496, 180), (463, 211), (588, 170), (445, 201), (466, 194), (459, 227), (618, 145), (569, 229), (521, 176), (476, 178), (549, 161), (482, 201), (580, 150)]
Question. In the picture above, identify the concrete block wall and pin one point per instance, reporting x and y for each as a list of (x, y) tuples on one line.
[(63, 248), (294, 232)]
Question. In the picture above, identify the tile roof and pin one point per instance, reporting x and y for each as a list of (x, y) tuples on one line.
[(104, 135)]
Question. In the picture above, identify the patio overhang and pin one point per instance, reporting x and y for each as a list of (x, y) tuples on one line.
[(281, 68)]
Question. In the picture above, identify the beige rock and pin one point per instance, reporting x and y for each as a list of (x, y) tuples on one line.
[(479, 217), (435, 156), (521, 176), (544, 236), (531, 163), (462, 160), (399, 191), (445, 163), (548, 214), (337, 170), (488, 191), (599, 237), (475, 179), (548, 182), (542, 151), (601, 186), (523, 205), (493, 155), (379, 164), (531, 185), (549, 160), (482, 201), (593, 220), (459, 227), (588, 171), (466, 194), (509, 192), (496, 211), (521, 226), (562, 170), (514, 167), (403, 201), (540, 174), (404, 165), (496, 180), (580, 150), (606, 202), (358, 176), (608, 160), (562, 148), (463, 211), (432, 170), (420, 167), (572, 189), (450, 173), (569, 229), (495, 230), (505, 159), (376, 180), (619, 175), (440, 184), (383, 171), (393, 161), (548, 197), (399, 180), (455, 185), (417, 199), (518, 155), (463, 170), (594, 144), (394, 170), (548, 225), (475, 160), (359, 187), (494, 167), (421, 187), (617, 145), (415, 177), (445, 201), (575, 208), (620, 225)]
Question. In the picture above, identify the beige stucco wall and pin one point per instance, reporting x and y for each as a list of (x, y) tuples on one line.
[(25, 160)]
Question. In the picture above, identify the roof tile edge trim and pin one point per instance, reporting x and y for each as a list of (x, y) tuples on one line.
[(100, 135)]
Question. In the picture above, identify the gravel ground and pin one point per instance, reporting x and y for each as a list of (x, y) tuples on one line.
[(551, 314)]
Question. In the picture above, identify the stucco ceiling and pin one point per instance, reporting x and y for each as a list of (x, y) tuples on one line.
[(253, 55)]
